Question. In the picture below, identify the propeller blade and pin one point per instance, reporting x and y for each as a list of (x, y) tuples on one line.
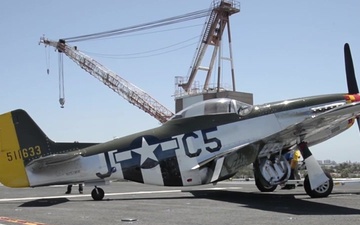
[(350, 72), (350, 75)]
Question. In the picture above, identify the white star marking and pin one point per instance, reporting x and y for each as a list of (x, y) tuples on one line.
[(146, 151)]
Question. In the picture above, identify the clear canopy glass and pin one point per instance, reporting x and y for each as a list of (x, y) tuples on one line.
[(215, 106)]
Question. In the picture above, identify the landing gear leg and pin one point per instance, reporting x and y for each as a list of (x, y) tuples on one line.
[(97, 194), (317, 184)]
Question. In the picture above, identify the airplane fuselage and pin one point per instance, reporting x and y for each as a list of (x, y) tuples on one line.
[(170, 154)]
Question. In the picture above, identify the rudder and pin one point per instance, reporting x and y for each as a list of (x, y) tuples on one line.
[(21, 140)]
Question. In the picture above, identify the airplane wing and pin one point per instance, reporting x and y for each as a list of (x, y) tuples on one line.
[(334, 121), (217, 156), (234, 158)]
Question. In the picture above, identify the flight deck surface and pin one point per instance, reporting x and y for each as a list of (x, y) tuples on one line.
[(231, 202)]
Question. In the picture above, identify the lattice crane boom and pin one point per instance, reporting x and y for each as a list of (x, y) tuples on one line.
[(212, 35), (125, 89)]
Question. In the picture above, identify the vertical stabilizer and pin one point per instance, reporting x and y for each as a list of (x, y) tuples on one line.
[(12, 170)]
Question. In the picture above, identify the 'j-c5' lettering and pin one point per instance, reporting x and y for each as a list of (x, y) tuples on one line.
[(207, 141)]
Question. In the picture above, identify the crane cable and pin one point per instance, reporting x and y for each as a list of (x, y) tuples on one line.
[(177, 19), (47, 59), (61, 81), (136, 28), (148, 53)]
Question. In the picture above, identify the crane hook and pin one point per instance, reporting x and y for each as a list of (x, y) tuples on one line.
[(62, 102)]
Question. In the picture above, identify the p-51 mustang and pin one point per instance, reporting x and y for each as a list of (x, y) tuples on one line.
[(204, 143)]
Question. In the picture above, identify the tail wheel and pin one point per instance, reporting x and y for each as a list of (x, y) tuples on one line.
[(320, 192), (97, 194)]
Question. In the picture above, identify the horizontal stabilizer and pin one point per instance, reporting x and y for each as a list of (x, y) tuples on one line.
[(52, 160)]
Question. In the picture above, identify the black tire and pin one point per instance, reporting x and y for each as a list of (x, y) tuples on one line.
[(264, 188), (321, 192), (260, 181), (97, 194)]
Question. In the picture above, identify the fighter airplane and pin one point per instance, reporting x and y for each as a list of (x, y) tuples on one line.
[(204, 143)]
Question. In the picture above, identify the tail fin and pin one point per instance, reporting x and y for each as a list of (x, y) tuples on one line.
[(21, 140)]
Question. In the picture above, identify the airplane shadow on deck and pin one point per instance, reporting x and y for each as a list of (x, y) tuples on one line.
[(44, 202), (280, 203)]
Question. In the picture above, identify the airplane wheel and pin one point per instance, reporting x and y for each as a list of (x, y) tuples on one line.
[(321, 192), (97, 194), (260, 181), (264, 188)]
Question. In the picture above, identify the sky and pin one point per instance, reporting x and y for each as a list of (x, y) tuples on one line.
[(282, 49)]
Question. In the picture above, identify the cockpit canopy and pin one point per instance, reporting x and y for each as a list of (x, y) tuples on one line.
[(214, 106)]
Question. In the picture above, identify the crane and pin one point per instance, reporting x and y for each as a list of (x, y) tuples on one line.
[(213, 30), (128, 91), (212, 34), (125, 89)]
